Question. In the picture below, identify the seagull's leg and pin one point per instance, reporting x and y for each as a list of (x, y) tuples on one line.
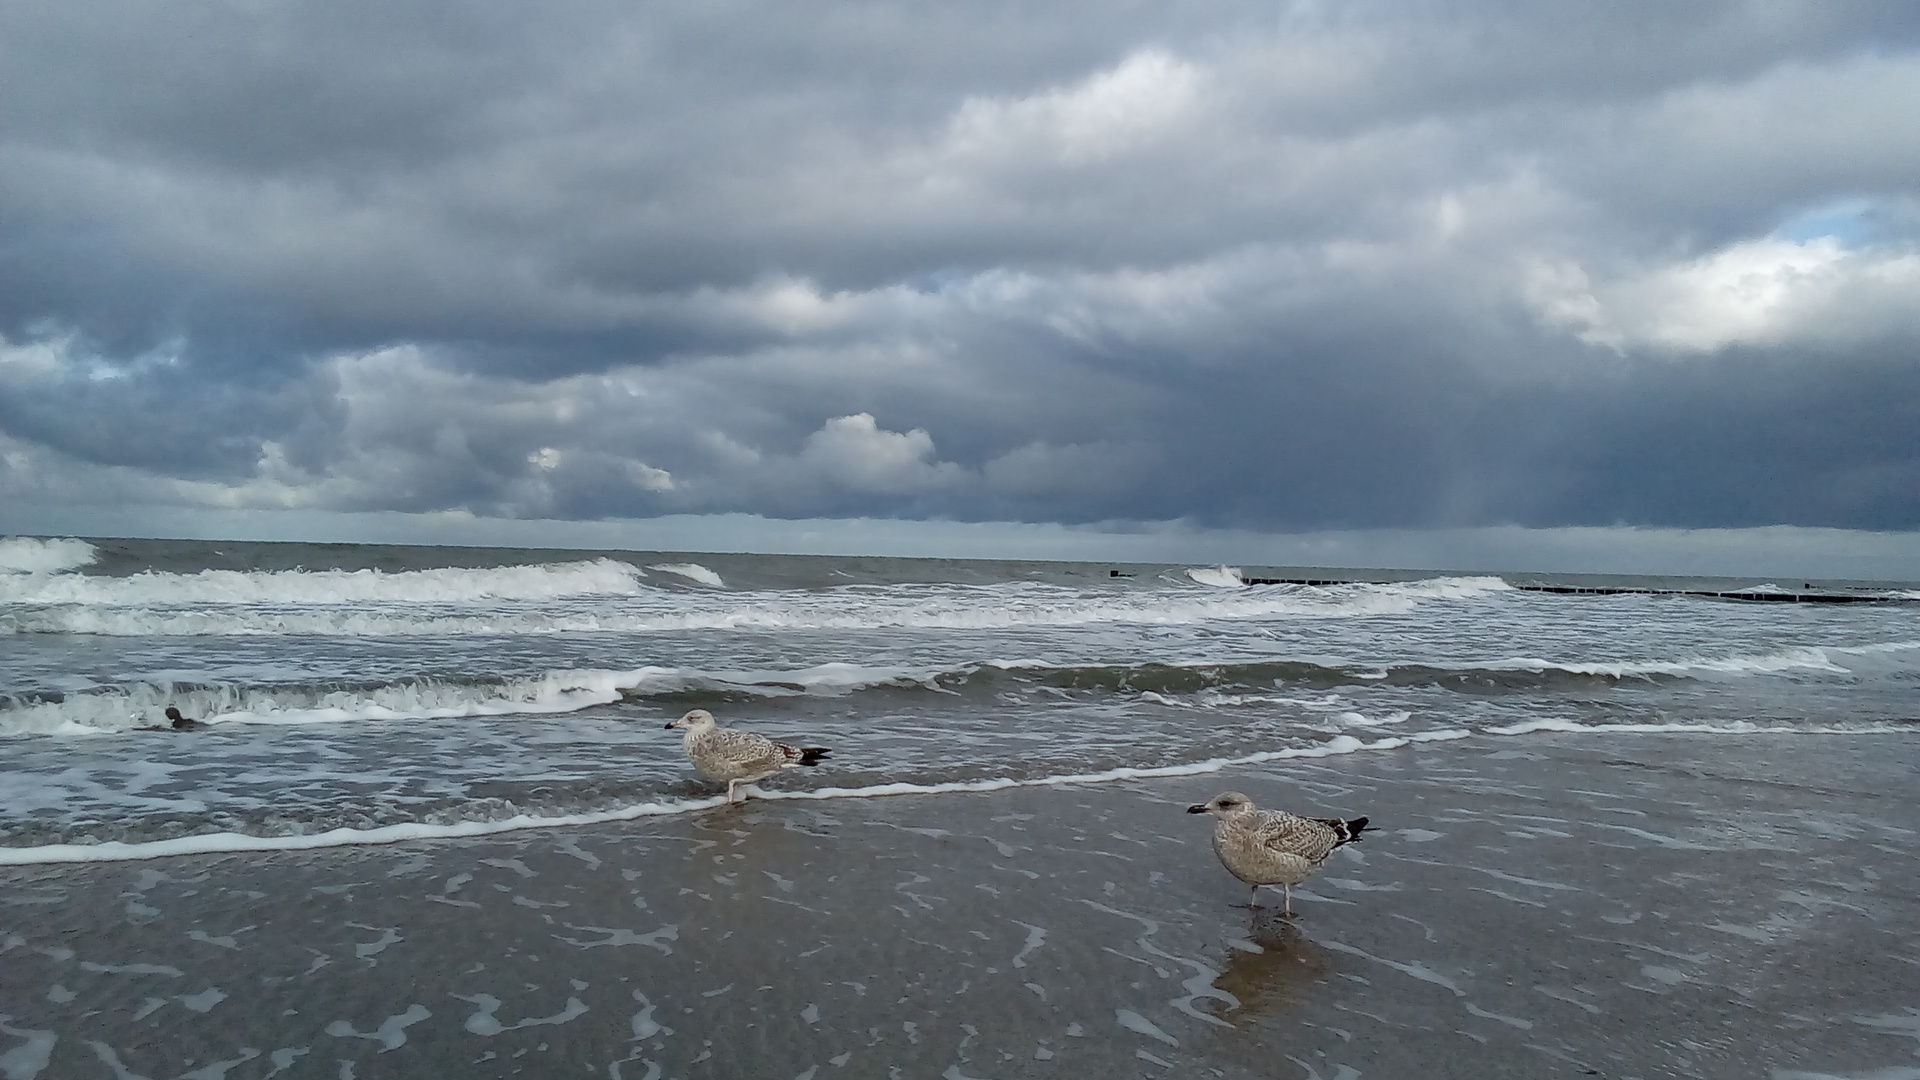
[(1289, 889), (730, 785), (1253, 896)]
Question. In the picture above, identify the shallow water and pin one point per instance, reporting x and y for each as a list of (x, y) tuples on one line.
[(1573, 905), (363, 693)]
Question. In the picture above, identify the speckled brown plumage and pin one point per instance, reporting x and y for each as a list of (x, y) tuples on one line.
[(738, 757), (1272, 847)]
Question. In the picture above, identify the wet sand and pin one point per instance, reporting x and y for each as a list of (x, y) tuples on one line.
[(1619, 906)]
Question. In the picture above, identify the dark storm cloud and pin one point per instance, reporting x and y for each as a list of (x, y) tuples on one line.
[(1353, 266)]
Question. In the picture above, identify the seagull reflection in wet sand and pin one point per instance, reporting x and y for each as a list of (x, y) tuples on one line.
[(1277, 963)]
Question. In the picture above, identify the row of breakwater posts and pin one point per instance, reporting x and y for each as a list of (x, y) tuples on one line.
[(1747, 595)]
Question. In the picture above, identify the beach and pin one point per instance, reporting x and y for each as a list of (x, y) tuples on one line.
[(1591, 904)]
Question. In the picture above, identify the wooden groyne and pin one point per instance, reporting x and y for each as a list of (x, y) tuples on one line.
[(1748, 596)]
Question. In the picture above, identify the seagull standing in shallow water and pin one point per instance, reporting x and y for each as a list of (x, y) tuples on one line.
[(1272, 847), (739, 757)]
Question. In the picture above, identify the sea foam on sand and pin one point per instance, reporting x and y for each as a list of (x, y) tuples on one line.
[(1739, 904)]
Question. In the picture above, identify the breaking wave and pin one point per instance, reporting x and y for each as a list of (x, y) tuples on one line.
[(1182, 685), (137, 705), (609, 598), (543, 581), (692, 572), (27, 555), (1218, 577)]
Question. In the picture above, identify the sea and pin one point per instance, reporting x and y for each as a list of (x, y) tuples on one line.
[(364, 694)]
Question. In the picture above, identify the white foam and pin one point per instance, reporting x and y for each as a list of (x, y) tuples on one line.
[(692, 572), (540, 581), (1134, 1022), (328, 610), (392, 1032), (1210, 698), (1784, 660), (1219, 577), (1878, 647), (555, 692), (1737, 727), (25, 1061), (1451, 588), (571, 690), (1440, 588), (484, 1023), (1339, 745), (559, 692), (117, 851), (28, 555), (210, 843), (141, 705), (1361, 720)]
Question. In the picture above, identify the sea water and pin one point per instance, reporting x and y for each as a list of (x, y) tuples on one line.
[(359, 694)]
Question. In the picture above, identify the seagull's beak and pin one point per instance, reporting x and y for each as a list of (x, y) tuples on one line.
[(671, 724), (1197, 808)]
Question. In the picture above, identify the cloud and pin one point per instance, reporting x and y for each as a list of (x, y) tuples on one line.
[(1389, 265), (1144, 99), (1765, 292), (854, 453)]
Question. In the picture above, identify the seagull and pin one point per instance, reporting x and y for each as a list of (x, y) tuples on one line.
[(739, 757), (1272, 847)]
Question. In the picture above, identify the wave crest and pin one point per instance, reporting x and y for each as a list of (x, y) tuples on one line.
[(29, 555), (692, 572), (137, 705), (1222, 685), (538, 581), (116, 609)]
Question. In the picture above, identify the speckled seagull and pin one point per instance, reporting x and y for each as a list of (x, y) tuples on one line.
[(1272, 847), (739, 757)]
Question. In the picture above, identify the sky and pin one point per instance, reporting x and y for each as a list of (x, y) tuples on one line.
[(1609, 286)]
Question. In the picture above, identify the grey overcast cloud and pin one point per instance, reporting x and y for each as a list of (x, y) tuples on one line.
[(1360, 282)]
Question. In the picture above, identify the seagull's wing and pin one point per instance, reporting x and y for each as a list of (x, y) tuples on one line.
[(1290, 834), (745, 750), (795, 755)]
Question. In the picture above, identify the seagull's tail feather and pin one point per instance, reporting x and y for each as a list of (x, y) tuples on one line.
[(1346, 831), (812, 755)]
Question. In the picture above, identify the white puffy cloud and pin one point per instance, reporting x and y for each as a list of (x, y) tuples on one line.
[(1765, 292), (855, 453)]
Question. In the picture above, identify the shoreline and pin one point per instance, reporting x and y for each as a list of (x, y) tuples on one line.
[(1587, 904), (116, 851)]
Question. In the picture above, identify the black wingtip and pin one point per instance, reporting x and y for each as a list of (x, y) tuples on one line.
[(1344, 831)]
